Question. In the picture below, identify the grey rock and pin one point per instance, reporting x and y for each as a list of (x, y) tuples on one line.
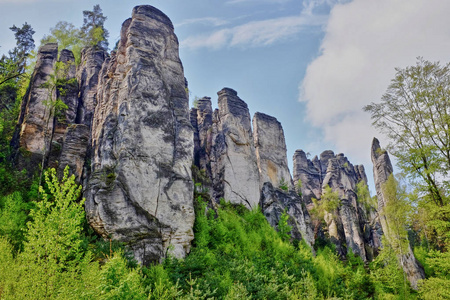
[(205, 122), (140, 188), (67, 92), (194, 123), (234, 168), (73, 152), (350, 225), (274, 202), (382, 169), (32, 137), (309, 174), (271, 151), (87, 74)]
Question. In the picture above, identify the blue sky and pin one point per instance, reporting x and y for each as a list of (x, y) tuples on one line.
[(312, 64)]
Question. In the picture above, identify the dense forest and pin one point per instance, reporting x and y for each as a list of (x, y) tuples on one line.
[(49, 251)]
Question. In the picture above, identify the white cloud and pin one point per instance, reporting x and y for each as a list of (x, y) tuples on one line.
[(18, 1), (206, 21), (364, 41), (256, 33), (255, 1)]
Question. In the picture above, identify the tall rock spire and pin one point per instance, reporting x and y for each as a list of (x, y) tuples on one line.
[(32, 138), (271, 151), (382, 169), (234, 168), (140, 188)]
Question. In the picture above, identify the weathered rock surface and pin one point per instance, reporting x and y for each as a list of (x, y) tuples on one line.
[(234, 168), (341, 177), (308, 176), (73, 152), (67, 92), (35, 126), (271, 151), (274, 202), (382, 169), (87, 74), (140, 188), (350, 225)]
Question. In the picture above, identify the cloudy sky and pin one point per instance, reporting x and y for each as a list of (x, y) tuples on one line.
[(313, 64)]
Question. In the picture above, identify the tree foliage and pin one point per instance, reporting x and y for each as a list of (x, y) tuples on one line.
[(93, 30), (414, 113), (67, 36), (328, 203)]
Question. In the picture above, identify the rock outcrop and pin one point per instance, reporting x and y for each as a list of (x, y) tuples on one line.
[(234, 169), (382, 170), (87, 74), (274, 202), (271, 151), (341, 177), (32, 138), (246, 167), (66, 88), (351, 225), (140, 188), (128, 135)]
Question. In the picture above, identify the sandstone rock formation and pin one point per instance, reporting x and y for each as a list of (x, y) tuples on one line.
[(382, 169), (274, 202), (87, 74), (271, 151), (73, 151), (66, 88), (32, 138), (241, 166), (128, 135), (308, 176), (350, 225), (233, 161), (341, 177), (140, 187)]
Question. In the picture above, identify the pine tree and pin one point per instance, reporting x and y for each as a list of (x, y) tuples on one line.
[(93, 31)]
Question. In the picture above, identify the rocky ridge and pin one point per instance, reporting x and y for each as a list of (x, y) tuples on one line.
[(128, 135), (351, 225)]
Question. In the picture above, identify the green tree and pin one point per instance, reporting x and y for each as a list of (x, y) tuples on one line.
[(54, 261), (363, 197), (414, 113), (13, 218), (93, 31), (67, 36), (24, 45), (14, 79), (283, 227), (396, 211), (328, 203)]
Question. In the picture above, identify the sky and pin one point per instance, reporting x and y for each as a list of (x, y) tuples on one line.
[(312, 64)]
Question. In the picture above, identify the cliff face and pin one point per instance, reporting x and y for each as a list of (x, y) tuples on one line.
[(140, 188), (271, 151), (246, 166), (350, 225), (128, 135), (382, 169), (32, 138)]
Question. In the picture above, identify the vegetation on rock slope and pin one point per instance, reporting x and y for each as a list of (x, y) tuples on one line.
[(48, 250)]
